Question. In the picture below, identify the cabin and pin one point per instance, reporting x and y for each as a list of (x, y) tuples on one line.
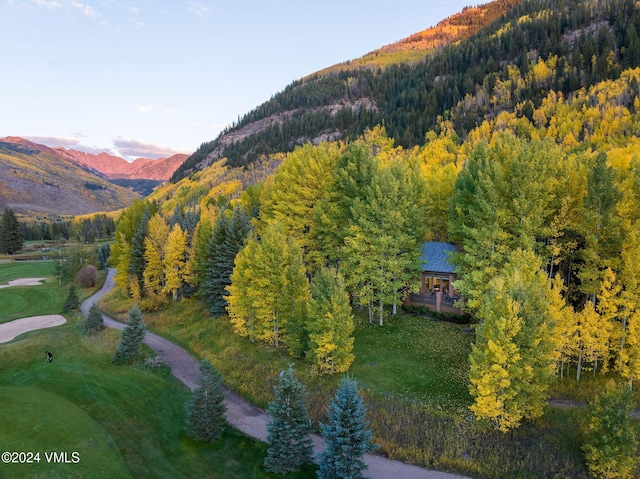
[(436, 279)]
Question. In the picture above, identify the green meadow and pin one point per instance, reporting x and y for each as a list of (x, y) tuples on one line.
[(412, 373), (121, 421), (21, 301)]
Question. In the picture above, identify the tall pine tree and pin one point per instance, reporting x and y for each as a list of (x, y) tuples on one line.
[(228, 238), (347, 436), (289, 430), (206, 408), (132, 337), (11, 240)]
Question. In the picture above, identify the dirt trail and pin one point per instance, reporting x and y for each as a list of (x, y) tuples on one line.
[(242, 415)]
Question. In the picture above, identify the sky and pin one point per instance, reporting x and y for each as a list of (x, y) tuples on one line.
[(154, 78)]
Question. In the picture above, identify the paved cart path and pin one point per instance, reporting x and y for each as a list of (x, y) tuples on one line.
[(242, 415)]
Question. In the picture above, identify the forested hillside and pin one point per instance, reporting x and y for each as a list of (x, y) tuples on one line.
[(528, 162), (497, 69)]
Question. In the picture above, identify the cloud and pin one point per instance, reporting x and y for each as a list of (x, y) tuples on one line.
[(47, 4), (54, 141), (198, 9), (218, 126), (85, 10), (132, 149), (68, 143), (135, 10), (143, 108)]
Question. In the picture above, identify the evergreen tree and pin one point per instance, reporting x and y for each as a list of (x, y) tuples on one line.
[(611, 446), (102, 260), (136, 253), (94, 319), (72, 301), (330, 323), (11, 240), (132, 337), (347, 436), (289, 443), (228, 238), (206, 408)]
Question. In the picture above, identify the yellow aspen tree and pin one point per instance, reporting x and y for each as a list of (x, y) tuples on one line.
[(154, 279), (590, 339), (301, 181), (269, 290), (629, 343), (629, 363), (242, 314), (607, 306), (563, 315), (514, 357), (330, 323), (174, 261)]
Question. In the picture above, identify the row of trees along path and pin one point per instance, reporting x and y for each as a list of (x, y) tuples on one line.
[(242, 415)]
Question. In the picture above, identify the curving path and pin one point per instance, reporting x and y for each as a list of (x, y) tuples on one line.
[(242, 415)]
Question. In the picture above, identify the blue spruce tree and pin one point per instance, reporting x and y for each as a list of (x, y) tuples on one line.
[(206, 408), (289, 443), (347, 436), (132, 337)]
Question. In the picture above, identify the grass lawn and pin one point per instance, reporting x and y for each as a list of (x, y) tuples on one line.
[(22, 301), (123, 421), (421, 359), (412, 373)]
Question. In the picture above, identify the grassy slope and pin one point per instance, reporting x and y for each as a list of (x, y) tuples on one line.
[(124, 421), (22, 301), (416, 392)]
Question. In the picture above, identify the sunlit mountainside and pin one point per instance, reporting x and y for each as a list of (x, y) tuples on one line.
[(35, 179)]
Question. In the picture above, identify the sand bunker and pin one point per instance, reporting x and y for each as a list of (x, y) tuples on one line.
[(23, 282), (9, 331)]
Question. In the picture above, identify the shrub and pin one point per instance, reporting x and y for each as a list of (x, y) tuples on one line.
[(611, 446), (87, 276)]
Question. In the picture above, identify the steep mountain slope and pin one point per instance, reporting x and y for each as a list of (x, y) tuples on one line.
[(509, 64), (336, 102), (38, 179)]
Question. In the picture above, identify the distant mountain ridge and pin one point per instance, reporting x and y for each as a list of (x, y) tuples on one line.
[(114, 167), (106, 165), (37, 180)]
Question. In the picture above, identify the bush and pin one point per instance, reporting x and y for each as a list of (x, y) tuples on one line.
[(611, 446), (87, 276)]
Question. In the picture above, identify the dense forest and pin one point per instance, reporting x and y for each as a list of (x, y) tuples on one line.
[(465, 82), (527, 160)]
